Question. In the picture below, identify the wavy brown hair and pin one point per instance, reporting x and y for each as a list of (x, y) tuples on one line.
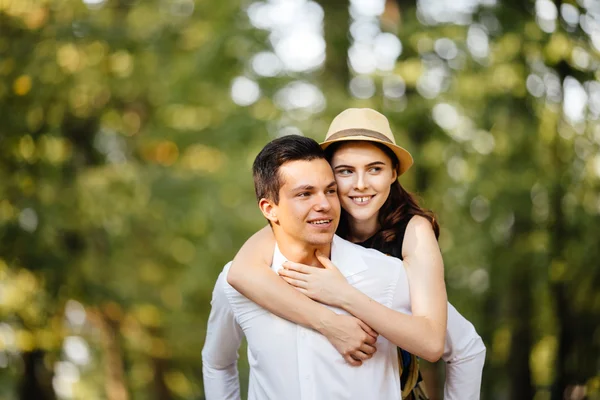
[(394, 214)]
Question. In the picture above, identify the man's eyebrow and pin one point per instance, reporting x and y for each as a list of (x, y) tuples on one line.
[(303, 187), (310, 187)]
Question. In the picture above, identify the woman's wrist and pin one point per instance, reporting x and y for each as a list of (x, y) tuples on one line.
[(347, 298), (322, 320)]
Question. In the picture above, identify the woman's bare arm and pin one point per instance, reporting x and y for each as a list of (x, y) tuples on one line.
[(422, 333), (250, 274)]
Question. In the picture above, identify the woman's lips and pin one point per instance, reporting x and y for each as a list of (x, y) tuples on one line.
[(361, 200)]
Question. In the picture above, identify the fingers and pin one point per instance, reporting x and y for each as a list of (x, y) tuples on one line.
[(326, 262), (359, 355), (367, 349), (292, 274), (303, 291), (368, 329), (370, 340), (295, 282), (352, 361), (293, 266)]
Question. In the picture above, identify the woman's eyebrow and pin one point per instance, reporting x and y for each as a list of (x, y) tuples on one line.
[(375, 163), (372, 164), (343, 166)]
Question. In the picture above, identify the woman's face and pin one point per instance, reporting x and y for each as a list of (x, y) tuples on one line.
[(364, 174)]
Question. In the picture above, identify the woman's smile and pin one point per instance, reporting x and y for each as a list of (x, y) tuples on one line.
[(362, 200)]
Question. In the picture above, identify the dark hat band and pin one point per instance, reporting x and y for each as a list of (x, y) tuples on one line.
[(359, 132)]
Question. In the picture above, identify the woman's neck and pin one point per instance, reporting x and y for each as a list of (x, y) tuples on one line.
[(362, 230)]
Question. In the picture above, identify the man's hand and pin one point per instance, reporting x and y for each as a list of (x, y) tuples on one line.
[(351, 337)]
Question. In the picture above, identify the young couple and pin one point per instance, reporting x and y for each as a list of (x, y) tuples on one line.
[(325, 315)]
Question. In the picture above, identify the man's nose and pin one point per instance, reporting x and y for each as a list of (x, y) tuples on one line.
[(323, 203)]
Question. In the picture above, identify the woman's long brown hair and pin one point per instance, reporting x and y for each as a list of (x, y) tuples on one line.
[(395, 212)]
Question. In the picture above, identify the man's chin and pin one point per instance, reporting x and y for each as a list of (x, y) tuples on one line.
[(321, 239)]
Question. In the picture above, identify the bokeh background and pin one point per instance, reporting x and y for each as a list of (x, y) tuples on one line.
[(127, 133)]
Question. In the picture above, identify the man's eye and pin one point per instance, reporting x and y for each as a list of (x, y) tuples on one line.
[(303, 194), (332, 191)]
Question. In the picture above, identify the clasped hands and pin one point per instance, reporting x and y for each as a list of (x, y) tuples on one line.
[(351, 337)]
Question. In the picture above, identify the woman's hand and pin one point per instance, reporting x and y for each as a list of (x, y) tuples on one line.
[(326, 285), (351, 337)]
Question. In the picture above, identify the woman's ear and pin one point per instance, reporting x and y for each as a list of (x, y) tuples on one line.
[(394, 175), (268, 209)]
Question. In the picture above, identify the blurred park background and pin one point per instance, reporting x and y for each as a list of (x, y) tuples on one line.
[(127, 133)]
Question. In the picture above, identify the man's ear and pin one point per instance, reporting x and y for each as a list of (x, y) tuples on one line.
[(269, 210)]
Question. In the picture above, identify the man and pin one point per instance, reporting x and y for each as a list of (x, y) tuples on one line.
[(296, 191)]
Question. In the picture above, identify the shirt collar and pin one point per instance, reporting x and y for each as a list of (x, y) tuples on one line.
[(344, 255)]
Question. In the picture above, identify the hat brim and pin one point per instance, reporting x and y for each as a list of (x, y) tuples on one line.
[(404, 157)]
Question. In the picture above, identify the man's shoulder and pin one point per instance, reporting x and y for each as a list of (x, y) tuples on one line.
[(222, 279), (233, 296), (222, 284)]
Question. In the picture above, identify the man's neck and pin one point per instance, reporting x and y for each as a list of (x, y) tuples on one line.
[(303, 253)]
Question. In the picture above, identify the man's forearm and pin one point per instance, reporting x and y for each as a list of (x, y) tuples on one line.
[(463, 378), (464, 355), (221, 383), (220, 352)]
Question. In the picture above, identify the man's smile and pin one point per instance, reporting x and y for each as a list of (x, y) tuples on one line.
[(321, 222)]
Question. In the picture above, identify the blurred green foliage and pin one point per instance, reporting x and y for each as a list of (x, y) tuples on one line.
[(125, 181)]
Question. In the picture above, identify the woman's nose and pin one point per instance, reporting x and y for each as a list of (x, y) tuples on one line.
[(361, 183)]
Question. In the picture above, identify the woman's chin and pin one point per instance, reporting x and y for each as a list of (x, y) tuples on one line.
[(361, 215)]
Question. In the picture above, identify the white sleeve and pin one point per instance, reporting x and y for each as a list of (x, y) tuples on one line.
[(464, 354), (220, 352)]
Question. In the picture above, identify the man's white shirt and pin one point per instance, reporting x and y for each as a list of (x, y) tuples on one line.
[(289, 361)]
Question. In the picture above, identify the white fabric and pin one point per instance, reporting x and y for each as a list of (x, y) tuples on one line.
[(288, 361)]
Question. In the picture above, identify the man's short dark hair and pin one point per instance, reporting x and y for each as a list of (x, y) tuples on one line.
[(265, 169)]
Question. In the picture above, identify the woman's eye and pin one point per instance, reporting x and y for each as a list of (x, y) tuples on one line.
[(375, 169), (344, 171)]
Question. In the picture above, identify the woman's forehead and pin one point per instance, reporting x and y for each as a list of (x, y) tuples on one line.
[(348, 151)]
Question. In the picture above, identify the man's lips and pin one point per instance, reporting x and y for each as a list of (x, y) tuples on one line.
[(321, 222), (362, 200)]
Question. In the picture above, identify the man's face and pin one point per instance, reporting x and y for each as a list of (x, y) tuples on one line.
[(309, 208)]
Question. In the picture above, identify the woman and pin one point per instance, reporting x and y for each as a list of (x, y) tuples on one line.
[(377, 213)]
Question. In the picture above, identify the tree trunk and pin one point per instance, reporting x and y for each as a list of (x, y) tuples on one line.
[(36, 382), (566, 325), (521, 342), (114, 381), (336, 31), (160, 388), (159, 365)]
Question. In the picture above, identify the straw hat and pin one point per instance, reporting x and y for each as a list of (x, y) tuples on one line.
[(368, 125)]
